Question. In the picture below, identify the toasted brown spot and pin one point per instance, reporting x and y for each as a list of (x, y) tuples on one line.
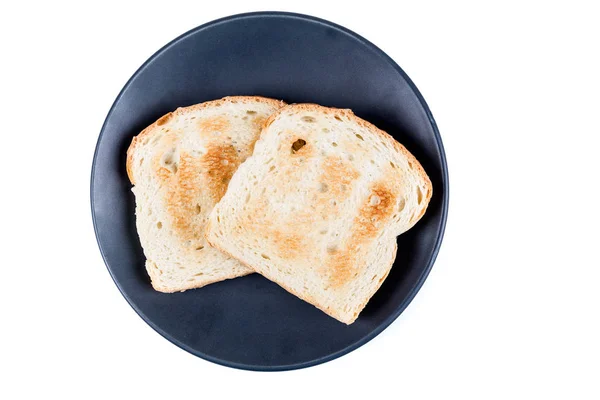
[(164, 119), (182, 190), (213, 124), (372, 214), (219, 162), (207, 173), (258, 122), (289, 245), (337, 175)]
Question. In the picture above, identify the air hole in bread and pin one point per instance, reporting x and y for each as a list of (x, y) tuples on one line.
[(199, 274), (401, 205), (334, 144), (332, 249), (297, 145), (419, 195), (325, 130), (323, 231), (251, 112), (374, 200), (272, 168), (245, 117), (360, 137), (308, 118), (233, 101), (141, 160), (156, 139), (410, 165), (392, 164), (338, 118), (248, 197), (199, 248), (169, 160), (159, 225), (198, 209), (333, 203), (266, 257), (218, 219), (323, 187)]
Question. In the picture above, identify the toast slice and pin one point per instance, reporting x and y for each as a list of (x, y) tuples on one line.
[(318, 206), (180, 167)]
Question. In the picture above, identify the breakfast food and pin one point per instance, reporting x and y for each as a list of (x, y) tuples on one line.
[(180, 167), (318, 206)]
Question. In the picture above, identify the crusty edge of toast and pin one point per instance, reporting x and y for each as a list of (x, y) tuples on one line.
[(155, 281)]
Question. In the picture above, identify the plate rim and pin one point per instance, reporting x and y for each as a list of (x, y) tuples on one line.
[(445, 201)]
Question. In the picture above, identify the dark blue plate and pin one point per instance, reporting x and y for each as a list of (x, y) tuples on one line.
[(250, 322)]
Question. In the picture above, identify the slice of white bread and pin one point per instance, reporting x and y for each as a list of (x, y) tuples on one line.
[(181, 166), (318, 206)]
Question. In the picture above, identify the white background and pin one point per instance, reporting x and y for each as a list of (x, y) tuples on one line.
[(511, 308)]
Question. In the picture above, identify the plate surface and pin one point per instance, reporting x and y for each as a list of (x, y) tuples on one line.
[(250, 322)]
